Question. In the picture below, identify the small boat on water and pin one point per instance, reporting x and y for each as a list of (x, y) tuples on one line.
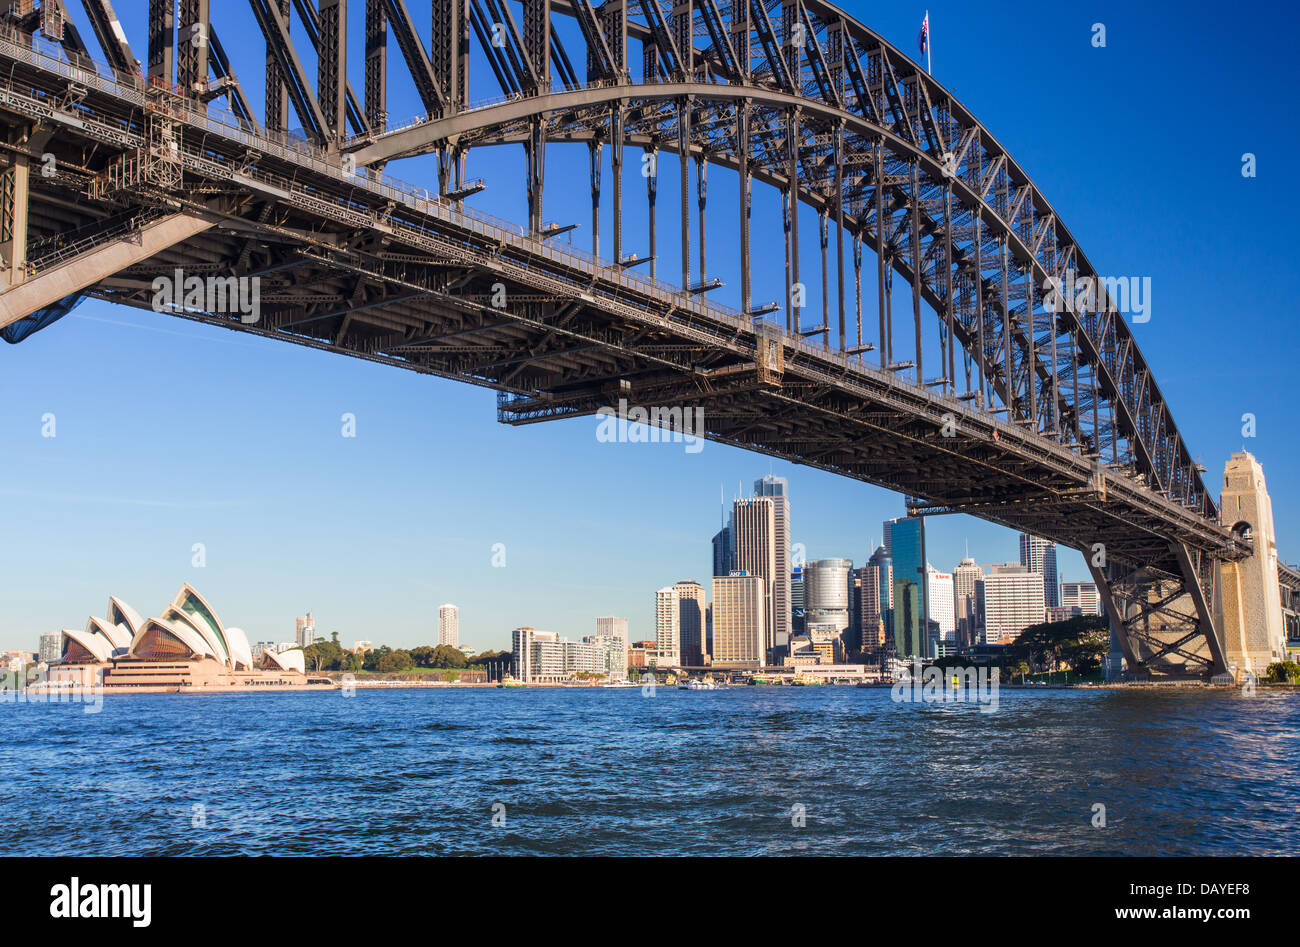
[(697, 686)]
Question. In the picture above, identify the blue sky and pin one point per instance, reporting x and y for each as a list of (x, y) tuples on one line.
[(169, 433)]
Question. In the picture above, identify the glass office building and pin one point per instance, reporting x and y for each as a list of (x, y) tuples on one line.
[(910, 625)]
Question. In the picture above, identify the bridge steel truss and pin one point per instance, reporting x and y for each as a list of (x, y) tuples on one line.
[(1044, 418)]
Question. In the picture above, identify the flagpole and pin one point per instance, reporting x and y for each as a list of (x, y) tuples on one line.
[(929, 42)]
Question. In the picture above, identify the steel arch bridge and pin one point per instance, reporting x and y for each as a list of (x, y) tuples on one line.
[(1038, 412)]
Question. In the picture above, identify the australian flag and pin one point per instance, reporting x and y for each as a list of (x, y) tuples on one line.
[(924, 39)]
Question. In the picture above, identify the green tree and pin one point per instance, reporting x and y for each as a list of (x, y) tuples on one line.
[(395, 661)]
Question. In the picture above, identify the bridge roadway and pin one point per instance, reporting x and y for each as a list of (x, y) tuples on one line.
[(148, 181)]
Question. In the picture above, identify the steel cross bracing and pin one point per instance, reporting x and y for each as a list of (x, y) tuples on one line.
[(1048, 421)]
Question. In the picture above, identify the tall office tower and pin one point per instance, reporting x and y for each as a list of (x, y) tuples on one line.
[(305, 630), (853, 637), (826, 594), (668, 627), (907, 538), (964, 577), (708, 631), (722, 552), (449, 625), (889, 535), (753, 524), (877, 597), (1081, 595), (739, 621), (1009, 599), (617, 627), (797, 601), (778, 489), (1039, 555), (51, 646), (690, 599), (941, 609)]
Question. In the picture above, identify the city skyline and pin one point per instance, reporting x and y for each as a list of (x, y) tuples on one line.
[(274, 412)]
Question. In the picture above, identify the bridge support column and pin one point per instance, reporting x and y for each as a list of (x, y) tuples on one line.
[(594, 149), (536, 160), (1162, 617), (742, 138), (1248, 607), (14, 181), (701, 198), (684, 152), (193, 36), (838, 156), (651, 171), (616, 166), (794, 317)]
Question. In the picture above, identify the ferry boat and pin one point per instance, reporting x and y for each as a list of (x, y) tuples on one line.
[(509, 681)]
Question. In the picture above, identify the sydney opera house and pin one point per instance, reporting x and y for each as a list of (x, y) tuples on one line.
[(185, 647)]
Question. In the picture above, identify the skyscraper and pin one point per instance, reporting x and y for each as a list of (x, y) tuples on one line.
[(826, 593), (778, 489), (907, 541), (967, 573), (739, 623), (877, 598), (722, 551), (941, 610), (449, 625), (753, 522), (690, 609), (1010, 600), (1039, 555), (668, 627), (304, 630), (796, 601), (610, 627)]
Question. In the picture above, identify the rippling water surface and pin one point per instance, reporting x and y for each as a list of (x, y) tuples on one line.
[(614, 772)]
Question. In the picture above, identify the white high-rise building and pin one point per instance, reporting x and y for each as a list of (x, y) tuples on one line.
[(739, 621), (778, 490), (613, 655), (305, 630), (610, 626), (754, 533), (1081, 595), (964, 577), (1039, 555), (941, 605), (1010, 599), (538, 656), (826, 594), (668, 627), (449, 625)]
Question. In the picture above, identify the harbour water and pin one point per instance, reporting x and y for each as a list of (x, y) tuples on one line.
[(758, 770)]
